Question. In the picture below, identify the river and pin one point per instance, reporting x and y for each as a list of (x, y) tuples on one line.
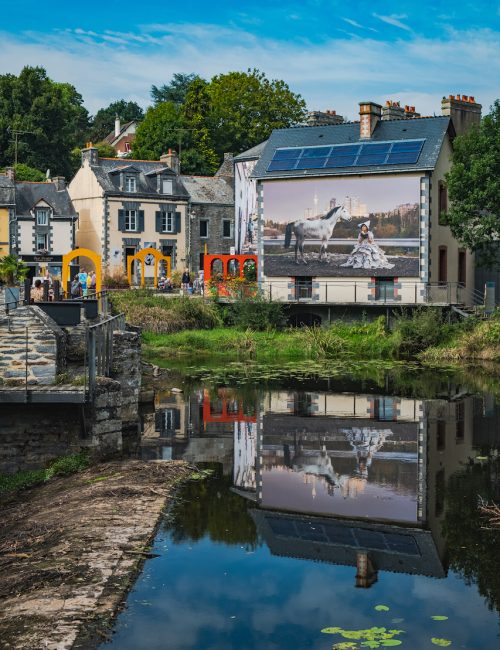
[(345, 504)]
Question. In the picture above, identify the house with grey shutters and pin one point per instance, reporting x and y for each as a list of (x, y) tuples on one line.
[(127, 205), (43, 228)]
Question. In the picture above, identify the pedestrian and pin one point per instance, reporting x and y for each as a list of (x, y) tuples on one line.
[(36, 293), (82, 278), (185, 280), (93, 281), (89, 283), (250, 229), (75, 287)]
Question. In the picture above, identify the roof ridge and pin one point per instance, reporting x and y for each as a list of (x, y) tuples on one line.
[(125, 160)]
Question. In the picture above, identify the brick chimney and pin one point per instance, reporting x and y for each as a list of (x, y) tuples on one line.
[(118, 126), (90, 154), (369, 116), (172, 160), (464, 111), (10, 172), (392, 111), (59, 182), (410, 112), (323, 118)]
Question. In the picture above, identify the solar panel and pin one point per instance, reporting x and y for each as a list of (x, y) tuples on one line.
[(351, 155)]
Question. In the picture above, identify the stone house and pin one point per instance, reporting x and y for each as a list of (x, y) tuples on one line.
[(128, 205), (122, 137), (43, 226), (388, 171)]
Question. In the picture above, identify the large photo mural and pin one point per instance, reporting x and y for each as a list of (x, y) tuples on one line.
[(245, 199), (340, 227)]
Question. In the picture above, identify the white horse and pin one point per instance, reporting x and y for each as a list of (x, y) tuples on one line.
[(321, 228)]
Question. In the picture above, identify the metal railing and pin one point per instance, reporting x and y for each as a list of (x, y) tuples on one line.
[(99, 350)]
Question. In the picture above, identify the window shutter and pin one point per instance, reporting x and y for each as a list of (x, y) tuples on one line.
[(140, 227), (121, 220), (158, 221), (177, 222), (159, 420), (177, 419)]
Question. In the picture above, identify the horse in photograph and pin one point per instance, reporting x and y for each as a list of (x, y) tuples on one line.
[(321, 228)]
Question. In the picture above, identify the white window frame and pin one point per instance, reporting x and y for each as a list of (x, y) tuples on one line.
[(208, 229), (39, 213), (45, 242), (168, 222), (167, 186), (231, 229), (169, 419), (130, 184), (131, 220)]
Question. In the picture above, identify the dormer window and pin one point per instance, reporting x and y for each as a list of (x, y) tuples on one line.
[(167, 186), (130, 184), (42, 217)]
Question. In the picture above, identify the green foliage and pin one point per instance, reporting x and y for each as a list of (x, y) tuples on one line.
[(59, 467), (256, 313), (474, 189), (103, 123), (373, 637), (196, 112), (26, 173), (175, 91), (162, 314), (160, 130), (53, 115), (415, 333), (12, 270)]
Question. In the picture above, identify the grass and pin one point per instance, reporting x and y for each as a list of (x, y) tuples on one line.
[(59, 467)]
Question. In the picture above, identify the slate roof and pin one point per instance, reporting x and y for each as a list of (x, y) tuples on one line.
[(251, 154), (111, 137), (109, 180), (432, 129), (29, 194), (6, 191), (209, 189)]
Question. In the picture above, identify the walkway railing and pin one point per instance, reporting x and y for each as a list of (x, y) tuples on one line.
[(100, 348)]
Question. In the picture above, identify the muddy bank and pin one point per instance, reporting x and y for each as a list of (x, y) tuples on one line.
[(70, 549)]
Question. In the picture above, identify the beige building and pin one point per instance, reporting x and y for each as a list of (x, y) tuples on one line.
[(128, 205)]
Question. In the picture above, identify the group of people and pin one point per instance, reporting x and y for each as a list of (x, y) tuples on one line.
[(83, 284), (188, 287)]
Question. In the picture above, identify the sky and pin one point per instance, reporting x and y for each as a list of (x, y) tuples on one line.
[(332, 52)]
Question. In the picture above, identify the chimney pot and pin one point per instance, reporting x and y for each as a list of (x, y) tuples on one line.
[(463, 111), (10, 172), (118, 127), (472, 100)]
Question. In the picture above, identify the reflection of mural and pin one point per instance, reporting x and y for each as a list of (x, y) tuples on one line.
[(389, 208), (245, 454), (245, 199)]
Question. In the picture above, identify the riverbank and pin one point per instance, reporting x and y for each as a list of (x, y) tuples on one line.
[(71, 548)]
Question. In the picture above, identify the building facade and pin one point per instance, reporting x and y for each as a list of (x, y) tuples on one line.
[(122, 137), (7, 211), (352, 212)]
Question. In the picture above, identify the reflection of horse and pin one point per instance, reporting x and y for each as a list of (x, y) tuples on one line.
[(321, 228)]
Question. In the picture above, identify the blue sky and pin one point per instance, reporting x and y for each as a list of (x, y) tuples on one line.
[(334, 53)]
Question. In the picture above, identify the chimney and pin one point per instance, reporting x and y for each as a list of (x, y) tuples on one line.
[(410, 112), (90, 154), (118, 127), (320, 118), (392, 111), (369, 116), (226, 170), (464, 111), (10, 172), (172, 160), (59, 182)]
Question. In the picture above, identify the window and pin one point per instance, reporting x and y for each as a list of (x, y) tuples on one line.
[(227, 228), (128, 148), (442, 203), (131, 220), (303, 288), (167, 222), (383, 409), (42, 217), (202, 261), (441, 435), (443, 265), (167, 186), (204, 228), (384, 289), (462, 268), (41, 243), (130, 184)]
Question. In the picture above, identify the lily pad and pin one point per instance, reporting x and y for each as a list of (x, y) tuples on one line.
[(439, 618), (332, 630), (443, 643), (391, 642), (381, 608)]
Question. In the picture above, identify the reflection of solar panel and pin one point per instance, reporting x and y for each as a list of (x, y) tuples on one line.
[(350, 155)]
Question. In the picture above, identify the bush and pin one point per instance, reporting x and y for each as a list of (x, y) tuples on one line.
[(115, 279), (256, 314), (423, 329), (60, 467)]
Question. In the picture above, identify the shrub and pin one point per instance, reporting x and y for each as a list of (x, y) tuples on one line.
[(423, 329), (115, 279), (256, 313)]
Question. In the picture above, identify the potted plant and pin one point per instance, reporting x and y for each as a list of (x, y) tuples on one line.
[(12, 272)]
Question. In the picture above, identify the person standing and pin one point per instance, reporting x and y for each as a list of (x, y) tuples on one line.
[(75, 287), (185, 280), (36, 293), (82, 278)]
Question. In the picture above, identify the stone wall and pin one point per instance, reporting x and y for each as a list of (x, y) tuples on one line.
[(215, 242), (103, 418), (127, 371), (29, 331)]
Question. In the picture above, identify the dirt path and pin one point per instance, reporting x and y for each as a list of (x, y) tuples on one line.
[(70, 549)]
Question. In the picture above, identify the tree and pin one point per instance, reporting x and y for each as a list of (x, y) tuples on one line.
[(50, 114), (175, 91), (103, 122), (246, 107), (161, 129), (12, 270), (25, 173), (474, 189), (200, 156)]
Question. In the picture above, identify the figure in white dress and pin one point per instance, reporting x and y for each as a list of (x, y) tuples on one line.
[(366, 254)]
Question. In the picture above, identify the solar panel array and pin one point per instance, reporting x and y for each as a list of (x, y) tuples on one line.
[(347, 155)]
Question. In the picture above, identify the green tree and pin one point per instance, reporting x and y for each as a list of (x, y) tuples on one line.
[(246, 107), (103, 122), (199, 157), (51, 115), (12, 270), (175, 91), (161, 129), (25, 173), (474, 189)]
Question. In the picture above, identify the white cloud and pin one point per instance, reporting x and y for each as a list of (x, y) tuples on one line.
[(334, 73), (394, 20), (353, 23)]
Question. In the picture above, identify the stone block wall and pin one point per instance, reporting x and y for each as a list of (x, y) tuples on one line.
[(29, 332), (103, 418), (127, 371), (215, 242)]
